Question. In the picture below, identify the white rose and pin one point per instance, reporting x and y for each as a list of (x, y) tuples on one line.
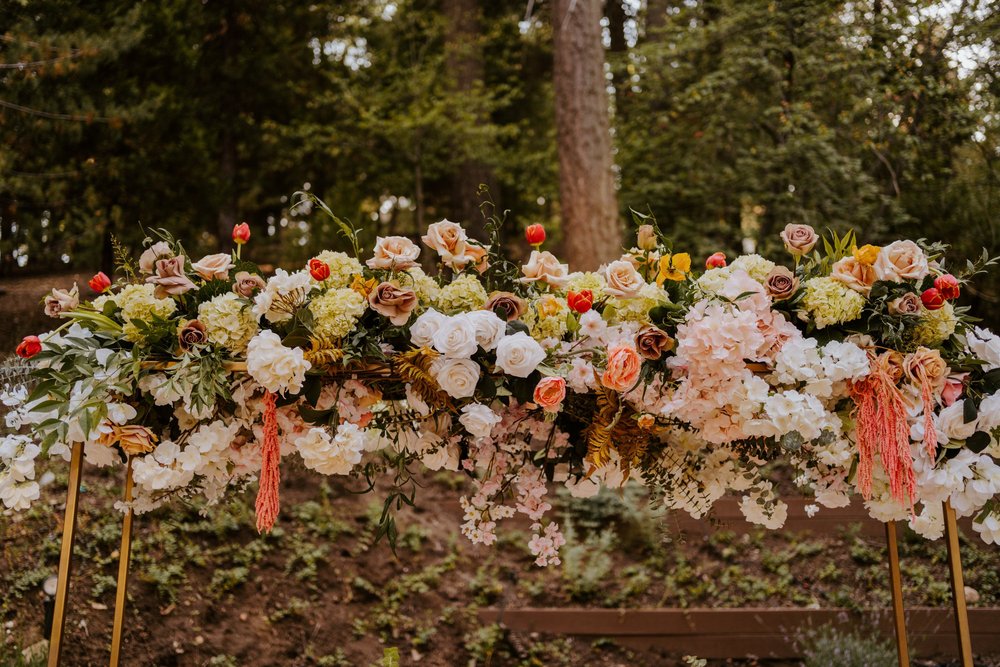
[(989, 412), (490, 329), (478, 420), (951, 422), (986, 346), (422, 331), (519, 355), (623, 280), (458, 377), (456, 337), (394, 252), (275, 367)]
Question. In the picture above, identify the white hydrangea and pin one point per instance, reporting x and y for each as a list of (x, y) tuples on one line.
[(756, 266), (275, 367), (793, 411), (229, 322), (986, 346), (335, 455), (343, 267)]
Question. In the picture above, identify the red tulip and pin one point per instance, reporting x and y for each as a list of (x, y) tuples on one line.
[(535, 234), (581, 301), (948, 286), (318, 269), (29, 347), (100, 282), (241, 233), (932, 298), (716, 261)]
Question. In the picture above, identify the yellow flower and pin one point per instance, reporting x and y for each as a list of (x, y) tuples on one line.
[(362, 286), (673, 267), (866, 254), (548, 306)]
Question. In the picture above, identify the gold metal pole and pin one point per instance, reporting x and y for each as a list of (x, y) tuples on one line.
[(66, 554), (898, 617), (957, 586), (124, 553)]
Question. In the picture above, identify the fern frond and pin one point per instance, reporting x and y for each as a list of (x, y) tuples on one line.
[(324, 351), (414, 367)]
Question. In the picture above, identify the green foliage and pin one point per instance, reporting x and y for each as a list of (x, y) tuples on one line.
[(829, 646)]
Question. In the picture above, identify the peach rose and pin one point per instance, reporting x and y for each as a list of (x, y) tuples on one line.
[(854, 274), (926, 363), (799, 239), (61, 301), (623, 280), (393, 302), (394, 252), (170, 278), (132, 438), (890, 363), (479, 255), (449, 240), (646, 237), (159, 250), (550, 393), (214, 267), (544, 267), (622, 371), (506, 305), (781, 284), (900, 261), (908, 304), (245, 284)]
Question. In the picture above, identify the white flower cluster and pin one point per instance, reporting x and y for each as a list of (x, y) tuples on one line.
[(283, 293), (18, 488), (275, 367), (335, 455), (824, 371)]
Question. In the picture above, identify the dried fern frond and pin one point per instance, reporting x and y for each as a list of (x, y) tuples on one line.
[(600, 430), (324, 351), (414, 367)]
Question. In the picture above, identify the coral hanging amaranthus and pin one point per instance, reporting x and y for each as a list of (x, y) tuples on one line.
[(854, 364)]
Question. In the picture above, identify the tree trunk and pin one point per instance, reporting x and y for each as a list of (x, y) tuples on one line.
[(592, 230), (614, 11), (229, 207), (463, 50)]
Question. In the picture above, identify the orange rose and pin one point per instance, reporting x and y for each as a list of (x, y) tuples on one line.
[(854, 274), (622, 371), (549, 393)]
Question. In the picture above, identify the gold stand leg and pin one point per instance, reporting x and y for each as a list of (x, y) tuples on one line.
[(896, 579), (957, 586), (66, 554), (124, 553)]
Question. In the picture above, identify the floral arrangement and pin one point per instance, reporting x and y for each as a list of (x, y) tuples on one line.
[(852, 364)]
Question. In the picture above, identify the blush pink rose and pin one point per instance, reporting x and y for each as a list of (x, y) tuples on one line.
[(622, 371), (954, 385), (854, 274), (550, 393), (394, 252)]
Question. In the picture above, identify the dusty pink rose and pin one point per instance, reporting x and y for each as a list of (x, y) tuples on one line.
[(908, 304), (549, 393), (623, 280), (394, 252), (450, 241), (159, 250), (781, 284), (393, 302), (799, 239), (853, 274), (170, 278), (61, 301), (544, 267), (651, 342), (506, 305), (901, 261), (191, 334), (622, 371), (245, 284), (214, 267)]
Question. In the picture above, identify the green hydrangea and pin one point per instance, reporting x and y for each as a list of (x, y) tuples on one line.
[(336, 312), (343, 267), (828, 301), (138, 303), (935, 326), (462, 294)]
